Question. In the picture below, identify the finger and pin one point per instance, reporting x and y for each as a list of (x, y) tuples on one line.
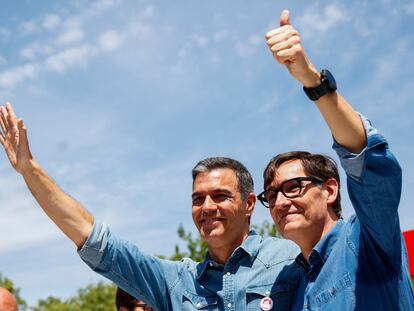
[(276, 31), (11, 117), (12, 122), (284, 18), (3, 120), (287, 55), (286, 44), (282, 36)]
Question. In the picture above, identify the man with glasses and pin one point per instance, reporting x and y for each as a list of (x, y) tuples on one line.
[(360, 264)]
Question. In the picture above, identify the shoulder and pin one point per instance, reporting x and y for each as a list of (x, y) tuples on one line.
[(275, 251)]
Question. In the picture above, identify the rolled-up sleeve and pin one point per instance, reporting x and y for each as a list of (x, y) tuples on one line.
[(142, 275), (92, 251)]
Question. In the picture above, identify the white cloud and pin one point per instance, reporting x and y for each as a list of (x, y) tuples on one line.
[(51, 21), (19, 208), (200, 40), (137, 28), (72, 22), (315, 20), (99, 6), (409, 8), (28, 27), (32, 50), (245, 49), (63, 60), (256, 39), (11, 77), (110, 40), (70, 36), (149, 11)]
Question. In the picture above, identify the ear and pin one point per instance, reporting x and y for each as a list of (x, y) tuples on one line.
[(332, 188), (250, 202)]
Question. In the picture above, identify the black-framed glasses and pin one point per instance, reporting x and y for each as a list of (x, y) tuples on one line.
[(291, 188)]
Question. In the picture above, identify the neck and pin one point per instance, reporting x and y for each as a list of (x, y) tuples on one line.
[(220, 253), (307, 241)]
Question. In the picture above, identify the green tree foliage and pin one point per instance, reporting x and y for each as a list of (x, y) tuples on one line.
[(8, 284), (196, 247), (266, 229), (97, 297)]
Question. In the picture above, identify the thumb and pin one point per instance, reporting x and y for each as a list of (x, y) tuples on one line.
[(284, 18)]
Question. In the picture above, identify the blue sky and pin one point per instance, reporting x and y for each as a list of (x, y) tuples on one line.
[(122, 98)]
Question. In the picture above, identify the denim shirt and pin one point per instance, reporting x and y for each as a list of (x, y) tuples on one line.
[(258, 268), (362, 264)]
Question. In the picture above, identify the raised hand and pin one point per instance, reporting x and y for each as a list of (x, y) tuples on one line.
[(286, 47), (13, 137)]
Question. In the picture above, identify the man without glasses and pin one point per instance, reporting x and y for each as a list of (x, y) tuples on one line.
[(360, 264)]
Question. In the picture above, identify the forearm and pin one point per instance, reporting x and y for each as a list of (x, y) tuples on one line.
[(344, 122), (74, 220)]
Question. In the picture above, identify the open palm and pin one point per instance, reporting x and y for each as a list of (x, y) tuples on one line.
[(13, 137)]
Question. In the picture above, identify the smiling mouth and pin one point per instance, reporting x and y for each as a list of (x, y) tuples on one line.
[(284, 216), (210, 221)]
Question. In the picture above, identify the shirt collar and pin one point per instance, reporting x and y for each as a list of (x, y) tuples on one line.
[(322, 249), (250, 247)]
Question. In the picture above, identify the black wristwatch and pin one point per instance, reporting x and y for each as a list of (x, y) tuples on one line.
[(328, 85)]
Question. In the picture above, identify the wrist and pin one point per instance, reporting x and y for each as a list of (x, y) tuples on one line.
[(313, 79), (327, 84), (29, 167)]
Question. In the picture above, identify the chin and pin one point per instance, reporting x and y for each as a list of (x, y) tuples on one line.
[(289, 230)]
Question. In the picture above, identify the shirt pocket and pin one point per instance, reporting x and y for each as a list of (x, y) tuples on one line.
[(341, 291), (193, 301), (282, 295)]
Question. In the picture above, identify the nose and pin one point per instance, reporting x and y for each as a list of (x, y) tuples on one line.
[(208, 205), (281, 201)]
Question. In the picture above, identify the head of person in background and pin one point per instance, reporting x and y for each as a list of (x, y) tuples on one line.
[(7, 301), (125, 302)]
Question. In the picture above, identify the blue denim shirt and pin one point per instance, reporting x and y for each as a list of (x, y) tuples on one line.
[(258, 268), (362, 264)]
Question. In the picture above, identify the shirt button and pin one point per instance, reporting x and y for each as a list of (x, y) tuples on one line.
[(228, 273), (198, 304), (211, 264), (229, 305)]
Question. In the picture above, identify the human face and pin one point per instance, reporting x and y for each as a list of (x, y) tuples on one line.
[(219, 213), (306, 218)]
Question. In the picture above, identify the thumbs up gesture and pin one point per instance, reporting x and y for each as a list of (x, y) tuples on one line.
[(285, 44)]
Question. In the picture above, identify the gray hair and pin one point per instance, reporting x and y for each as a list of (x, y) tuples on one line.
[(244, 178)]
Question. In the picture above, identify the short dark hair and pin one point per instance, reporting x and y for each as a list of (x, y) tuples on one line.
[(314, 164), (123, 299), (244, 178)]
